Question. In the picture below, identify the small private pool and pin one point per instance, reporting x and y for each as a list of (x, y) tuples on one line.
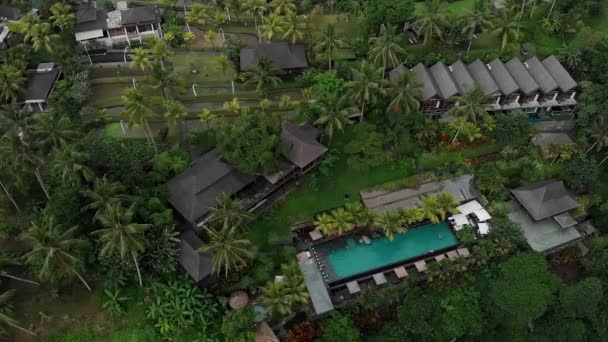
[(356, 258)]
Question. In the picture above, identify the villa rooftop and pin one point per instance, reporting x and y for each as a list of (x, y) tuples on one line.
[(545, 199), (319, 295)]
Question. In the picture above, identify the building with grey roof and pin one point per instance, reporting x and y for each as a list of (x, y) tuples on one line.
[(303, 146), (462, 76), (9, 13), (565, 82), (39, 86), (199, 265), (545, 199), (481, 75), (282, 55), (444, 81), (525, 81), (424, 77), (503, 78), (544, 79)]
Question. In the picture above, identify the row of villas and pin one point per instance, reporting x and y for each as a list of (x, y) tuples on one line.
[(98, 29), (532, 86)]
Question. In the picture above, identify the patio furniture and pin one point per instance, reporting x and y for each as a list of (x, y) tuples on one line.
[(483, 228), (420, 266), (315, 234), (458, 221), (353, 287), (400, 271), (452, 255), (469, 207), (303, 256), (379, 278), (440, 257), (482, 215), (463, 252)]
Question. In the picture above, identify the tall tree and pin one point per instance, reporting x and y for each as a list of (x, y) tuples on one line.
[(54, 130), (230, 250), (197, 14), (479, 19), (430, 208), (599, 133), (295, 27), (507, 26), (140, 59), (284, 7), (327, 42), (325, 223), (386, 50), (273, 297), (55, 250), (344, 221), (273, 25), (12, 81), (165, 80), (447, 204), (471, 106), (62, 16), (137, 112), (120, 235), (263, 75), (367, 85), (160, 50), (229, 212), (71, 164), (406, 94), (256, 8), (177, 112), (103, 195), (334, 115), (431, 20), (6, 311), (22, 157), (41, 37), (16, 121), (390, 223)]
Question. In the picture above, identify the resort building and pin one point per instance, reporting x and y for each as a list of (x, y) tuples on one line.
[(7, 15), (98, 29), (39, 87), (531, 86), (199, 265), (193, 192), (287, 57), (542, 210)]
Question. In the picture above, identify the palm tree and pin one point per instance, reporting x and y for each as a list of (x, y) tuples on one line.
[(103, 195), (507, 26), (390, 223), (471, 106), (9, 260), (236, 7), (599, 132), (410, 216), (430, 208), (362, 216), (327, 42), (256, 8), (176, 111), (334, 115), (137, 111), (16, 122), (295, 26), (431, 20), (570, 55), (6, 310), (344, 221), (386, 50), (197, 14), (263, 75), (219, 18), (160, 50), (325, 223), (273, 297), (41, 37), (22, 157), (367, 85), (211, 36), (54, 130), (206, 117), (230, 251), (477, 20), (447, 204), (228, 212), (121, 236), (285, 7), (140, 59), (293, 281), (70, 162), (55, 250), (62, 16), (224, 63), (272, 25), (164, 80), (12, 80), (406, 94)]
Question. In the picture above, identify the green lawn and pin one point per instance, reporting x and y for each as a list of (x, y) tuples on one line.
[(208, 69), (456, 7)]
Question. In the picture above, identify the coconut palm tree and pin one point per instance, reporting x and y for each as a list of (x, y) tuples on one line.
[(206, 117), (295, 287), (325, 223), (431, 20), (55, 250), (406, 94), (570, 55), (386, 50), (285, 7), (219, 18), (479, 19), (447, 204), (197, 14), (410, 216), (344, 220), (362, 216), (327, 42), (390, 223), (22, 157), (140, 59), (41, 37), (334, 115), (599, 133), (229, 212), (272, 25), (120, 235), (12, 80), (160, 50), (164, 80), (7, 260), (230, 250), (54, 130), (256, 8), (471, 106), (137, 112), (70, 162), (263, 75), (430, 208), (236, 7), (103, 195), (16, 122), (273, 297), (507, 26), (176, 111), (62, 16), (6, 311), (295, 26), (224, 63), (211, 36), (367, 84)]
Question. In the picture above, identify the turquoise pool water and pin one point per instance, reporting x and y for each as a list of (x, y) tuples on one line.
[(359, 258)]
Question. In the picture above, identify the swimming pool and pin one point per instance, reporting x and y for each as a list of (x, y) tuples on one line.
[(359, 258)]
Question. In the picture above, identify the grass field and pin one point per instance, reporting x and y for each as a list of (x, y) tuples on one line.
[(207, 66), (456, 7)]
